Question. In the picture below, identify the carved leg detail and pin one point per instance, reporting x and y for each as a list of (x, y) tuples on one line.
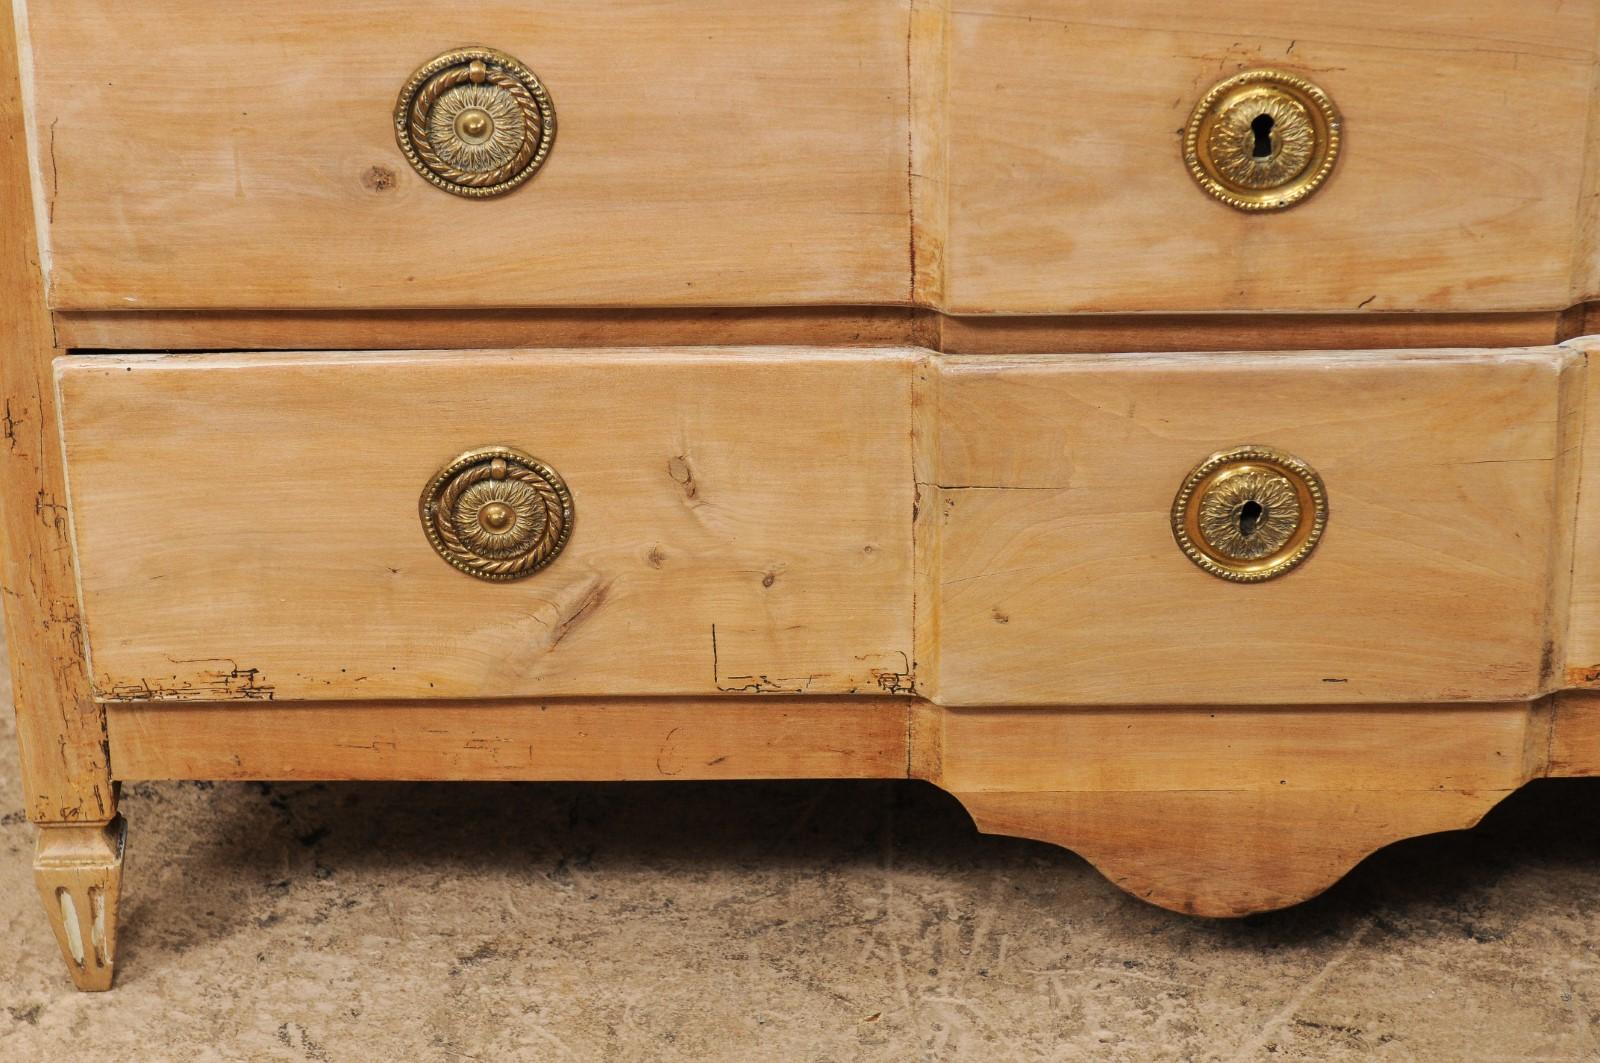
[(78, 870)]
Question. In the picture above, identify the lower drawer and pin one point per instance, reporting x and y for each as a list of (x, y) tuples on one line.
[(977, 530), (248, 526), (1447, 478)]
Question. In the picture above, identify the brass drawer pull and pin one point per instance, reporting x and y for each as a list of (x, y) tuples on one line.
[(1262, 140), (1250, 513), (497, 513), (475, 122)]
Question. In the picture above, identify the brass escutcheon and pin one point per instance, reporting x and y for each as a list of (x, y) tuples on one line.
[(1250, 514), (475, 122), (1262, 140), (497, 513)]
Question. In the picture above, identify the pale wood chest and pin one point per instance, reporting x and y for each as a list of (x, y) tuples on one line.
[(1166, 427)]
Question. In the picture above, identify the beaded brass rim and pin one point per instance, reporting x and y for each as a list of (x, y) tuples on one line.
[(1263, 140), (497, 513), (475, 122), (1250, 514)]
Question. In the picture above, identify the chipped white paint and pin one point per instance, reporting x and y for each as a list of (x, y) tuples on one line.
[(69, 923)]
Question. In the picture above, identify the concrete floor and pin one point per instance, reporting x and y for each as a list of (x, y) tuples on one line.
[(803, 922)]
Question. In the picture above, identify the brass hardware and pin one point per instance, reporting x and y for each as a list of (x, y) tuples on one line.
[(1250, 513), (475, 122), (497, 513), (1262, 140)]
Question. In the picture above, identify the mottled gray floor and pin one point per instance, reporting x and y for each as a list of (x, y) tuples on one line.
[(777, 921)]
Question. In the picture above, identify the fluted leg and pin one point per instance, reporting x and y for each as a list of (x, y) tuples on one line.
[(78, 870)]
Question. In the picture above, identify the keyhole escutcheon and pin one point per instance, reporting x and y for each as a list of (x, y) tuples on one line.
[(1262, 140)]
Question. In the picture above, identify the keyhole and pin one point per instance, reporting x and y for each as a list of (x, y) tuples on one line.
[(1262, 128), (1250, 515)]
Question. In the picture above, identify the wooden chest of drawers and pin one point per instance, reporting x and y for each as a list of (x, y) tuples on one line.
[(1166, 428)]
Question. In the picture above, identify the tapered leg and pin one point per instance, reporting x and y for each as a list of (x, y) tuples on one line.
[(78, 870)]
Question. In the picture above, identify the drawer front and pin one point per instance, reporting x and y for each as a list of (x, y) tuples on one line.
[(247, 526), (707, 153), (1058, 577), (1068, 189)]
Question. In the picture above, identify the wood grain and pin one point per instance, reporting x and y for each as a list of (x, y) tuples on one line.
[(928, 63), (1059, 581), (1586, 264), (247, 524), (1574, 748), (563, 740), (60, 729), (1067, 190), (708, 154)]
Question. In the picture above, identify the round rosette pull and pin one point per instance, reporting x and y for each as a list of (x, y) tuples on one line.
[(475, 122), (497, 513)]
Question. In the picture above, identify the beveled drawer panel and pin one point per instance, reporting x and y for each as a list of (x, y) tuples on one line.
[(1582, 664), (190, 155), (247, 526), (1068, 190), (1058, 579)]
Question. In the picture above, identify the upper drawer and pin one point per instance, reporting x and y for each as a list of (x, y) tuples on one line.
[(248, 526), (1458, 186), (190, 154)]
